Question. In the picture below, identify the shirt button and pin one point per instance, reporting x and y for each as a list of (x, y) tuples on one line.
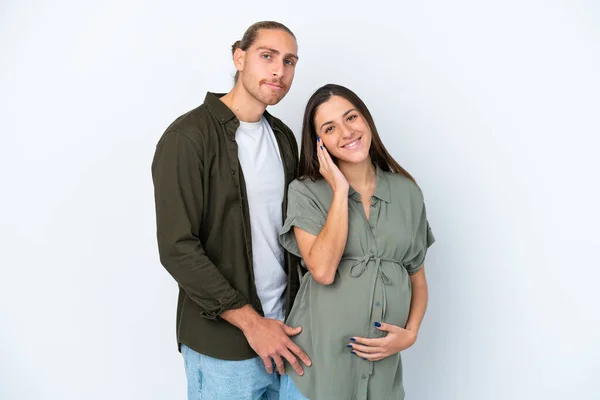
[(232, 172), (372, 251), (364, 376), (377, 304)]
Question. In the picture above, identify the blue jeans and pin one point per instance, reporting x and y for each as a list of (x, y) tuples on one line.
[(213, 379), (289, 391)]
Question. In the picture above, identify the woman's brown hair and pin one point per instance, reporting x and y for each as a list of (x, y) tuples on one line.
[(309, 163)]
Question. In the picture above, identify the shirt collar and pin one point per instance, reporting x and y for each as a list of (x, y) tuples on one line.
[(224, 113), (382, 187)]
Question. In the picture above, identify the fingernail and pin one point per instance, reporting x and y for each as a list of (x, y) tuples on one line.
[(321, 147), (318, 138), (377, 324), (352, 352), (349, 345), (354, 340), (364, 358)]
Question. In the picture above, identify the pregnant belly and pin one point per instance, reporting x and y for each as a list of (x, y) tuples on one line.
[(350, 306)]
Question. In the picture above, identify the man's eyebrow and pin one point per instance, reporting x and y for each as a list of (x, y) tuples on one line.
[(331, 122), (278, 52)]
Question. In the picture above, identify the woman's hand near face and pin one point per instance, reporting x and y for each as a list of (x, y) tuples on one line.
[(331, 173)]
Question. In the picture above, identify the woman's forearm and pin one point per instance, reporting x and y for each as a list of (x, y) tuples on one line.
[(326, 251), (418, 303)]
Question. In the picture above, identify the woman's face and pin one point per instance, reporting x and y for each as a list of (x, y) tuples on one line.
[(343, 130)]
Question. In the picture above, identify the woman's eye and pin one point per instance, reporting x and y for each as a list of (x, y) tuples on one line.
[(350, 118), (329, 129)]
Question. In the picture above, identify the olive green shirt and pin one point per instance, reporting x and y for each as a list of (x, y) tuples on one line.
[(372, 284), (203, 225)]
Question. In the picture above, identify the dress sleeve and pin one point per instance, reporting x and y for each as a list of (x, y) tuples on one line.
[(422, 239), (303, 212)]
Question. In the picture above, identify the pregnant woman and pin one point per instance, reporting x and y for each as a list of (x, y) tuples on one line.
[(358, 221)]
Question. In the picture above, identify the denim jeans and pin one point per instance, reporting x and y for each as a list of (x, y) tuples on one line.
[(213, 379), (289, 391)]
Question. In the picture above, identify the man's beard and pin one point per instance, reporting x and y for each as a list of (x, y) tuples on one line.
[(272, 98)]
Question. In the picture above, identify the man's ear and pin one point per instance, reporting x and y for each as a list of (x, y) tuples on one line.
[(239, 59)]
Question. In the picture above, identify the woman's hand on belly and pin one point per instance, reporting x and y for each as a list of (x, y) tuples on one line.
[(397, 340)]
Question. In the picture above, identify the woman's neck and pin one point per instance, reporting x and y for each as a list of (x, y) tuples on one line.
[(361, 176)]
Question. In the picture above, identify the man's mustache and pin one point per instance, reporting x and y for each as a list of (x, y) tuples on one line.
[(274, 82)]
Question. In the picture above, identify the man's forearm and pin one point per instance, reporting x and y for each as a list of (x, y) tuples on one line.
[(243, 318)]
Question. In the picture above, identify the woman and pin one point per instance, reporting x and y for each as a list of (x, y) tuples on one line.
[(358, 221)]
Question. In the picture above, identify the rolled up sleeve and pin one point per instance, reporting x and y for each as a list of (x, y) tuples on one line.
[(177, 170)]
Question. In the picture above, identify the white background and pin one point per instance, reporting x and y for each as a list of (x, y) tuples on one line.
[(492, 105)]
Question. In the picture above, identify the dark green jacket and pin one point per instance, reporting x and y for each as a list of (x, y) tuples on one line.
[(203, 225)]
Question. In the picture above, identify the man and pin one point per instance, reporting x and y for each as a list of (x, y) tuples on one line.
[(220, 176)]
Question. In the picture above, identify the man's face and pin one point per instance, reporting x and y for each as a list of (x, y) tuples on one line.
[(267, 67)]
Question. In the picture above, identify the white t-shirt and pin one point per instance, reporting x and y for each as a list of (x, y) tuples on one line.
[(261, 164)]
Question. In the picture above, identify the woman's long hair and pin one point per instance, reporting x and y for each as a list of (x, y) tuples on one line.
[(309, 163)]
